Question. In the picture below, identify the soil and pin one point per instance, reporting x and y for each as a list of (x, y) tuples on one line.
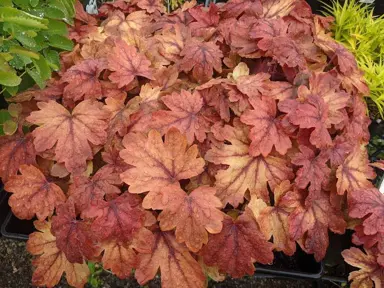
[(16, 272)]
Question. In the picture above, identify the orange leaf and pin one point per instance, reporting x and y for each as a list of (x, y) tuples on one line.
[(151, 6), (355, 172), (185, 115), (33, 194), (127, 64), (50, 262), (237, 247), (120, 257), (370, 271), (157, 163), (192, 215), (177, 267), (15, 151), (273, 220), (245, 172), (120, 114), (82, 80), (267, 130), (70, 133), (201, 58)]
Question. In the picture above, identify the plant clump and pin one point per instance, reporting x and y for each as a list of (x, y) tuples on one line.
[(194, 144)]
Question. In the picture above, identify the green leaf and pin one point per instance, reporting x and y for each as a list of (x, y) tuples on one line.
[(5, 56), (66, 6), (12, 90), (20, 61), (9, 127), (4, 116), (12, 15), (6, 3), (15, 109), (42, 67), (35, 75), (23, 4), (54, 13), (23, 51), (60, 42), (52, 58), (57, 27), (9, 78), (41, 42), (26, 41), (34, 3)]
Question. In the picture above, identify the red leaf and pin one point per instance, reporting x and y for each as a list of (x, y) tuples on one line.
[(69, 133), (266, 131), (87, 192), (369, 241), (119, 218), (157, 163), (237, 247), (83, 82), (201, 58), (310, 225), (33, 194), (370, 203), (177, 267), (237, 7), (206, 22), (73, 236), (314, 114), (275, 41), (218, 97), (15, 151), (314, 170), (127, 64)]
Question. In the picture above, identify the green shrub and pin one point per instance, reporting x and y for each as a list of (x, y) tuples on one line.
[(32, 32)]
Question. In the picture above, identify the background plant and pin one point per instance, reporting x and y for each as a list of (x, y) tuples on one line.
[(32, 33), (361, 32)]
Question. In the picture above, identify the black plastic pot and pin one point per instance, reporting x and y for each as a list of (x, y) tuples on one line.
[(15, 228), (4, 208)]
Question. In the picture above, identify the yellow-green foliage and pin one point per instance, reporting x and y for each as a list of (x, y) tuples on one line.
[(362, 33), (173, 4)]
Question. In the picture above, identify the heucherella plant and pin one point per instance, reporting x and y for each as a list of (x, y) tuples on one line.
[(194, 144)]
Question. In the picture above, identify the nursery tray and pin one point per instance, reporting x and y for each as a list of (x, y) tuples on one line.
[(15, 228), (300, 265), (4, 208)]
